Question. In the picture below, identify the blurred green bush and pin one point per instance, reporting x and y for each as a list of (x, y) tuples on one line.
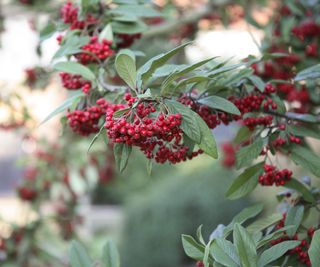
[(134, 180), (156, 219)]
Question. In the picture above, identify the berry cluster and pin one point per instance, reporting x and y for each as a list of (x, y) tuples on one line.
[(253, 102), (69, 15), (157, 134), (305, 36), (26, 2), (229, 153), (31, 75), (27, 193), (213, 118), (126, 40), (251, 122), (75, 82), (95, 51), (312, 50), (279, 141), (246, 104), (274, 176), (294, 139), (85, 122), (29, 190), (301, 251), (306, 29)]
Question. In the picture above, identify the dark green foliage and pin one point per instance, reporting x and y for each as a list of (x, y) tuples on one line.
[(157, 218)]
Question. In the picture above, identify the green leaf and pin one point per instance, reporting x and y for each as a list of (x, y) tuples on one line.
[(306, 159), (295, 8), (236, 78), (224, 252), (257, 82), (208, 143), (273, 236), (106, 33), (110, 256), (314, 250), (192, 248), (78, 256), (167, 69), (121, 153), (95, 138), (120, 112), (286, 26), (248, 153), (126, 67), (84, 6), (248, 213), (206, 257), (146, 71), (143, 11), (223, 69), (179, 73), (275, 252), (304, 117), (132, 27), (220, 103), (47, 31), (245, 246), (199, 235), (195, 128), (192, 80), (72, 46), (189, 123), (256, 236), (125, 2), (149, 167), (309, 73), (264, 223), (75, 68), (245, 182), (243, 216), (243, 134), (67, 103), (127, 18), (281, 107), (304, 130), (252, 21), (301, 188), (294, 217)]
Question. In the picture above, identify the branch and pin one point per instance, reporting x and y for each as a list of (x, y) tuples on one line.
[(191, 18), (295, 116)]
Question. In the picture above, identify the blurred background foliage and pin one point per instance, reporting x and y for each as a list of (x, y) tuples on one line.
[(177, 203)]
